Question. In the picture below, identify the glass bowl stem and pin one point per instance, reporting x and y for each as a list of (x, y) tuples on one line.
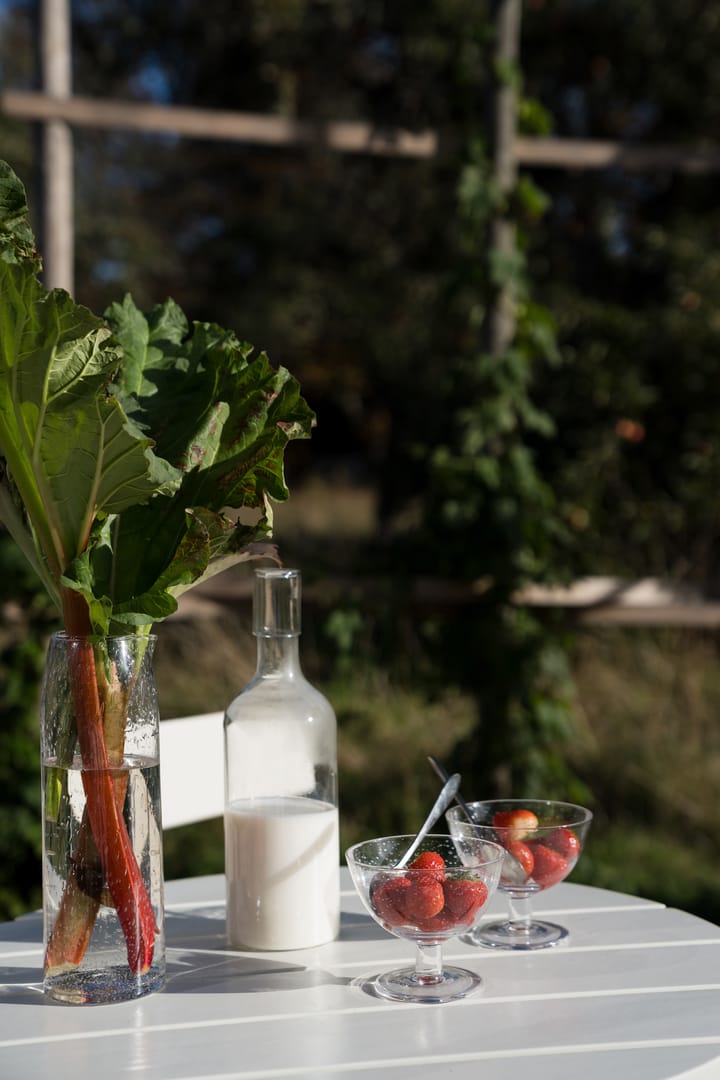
[(428, 963), (520, 914)]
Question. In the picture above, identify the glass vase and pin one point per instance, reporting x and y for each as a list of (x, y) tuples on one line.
[(102, 829)]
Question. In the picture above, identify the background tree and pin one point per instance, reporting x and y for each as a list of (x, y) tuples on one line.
[(628, 262)]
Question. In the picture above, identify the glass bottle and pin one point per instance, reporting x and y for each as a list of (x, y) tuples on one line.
[(282, 858)]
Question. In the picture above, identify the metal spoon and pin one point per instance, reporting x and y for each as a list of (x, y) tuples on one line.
[(444, 775), (511, 864), (442, 802)]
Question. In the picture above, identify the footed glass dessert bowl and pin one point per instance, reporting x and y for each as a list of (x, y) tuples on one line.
[(437, 896), (542, 840)]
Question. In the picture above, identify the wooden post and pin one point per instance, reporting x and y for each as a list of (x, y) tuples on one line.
[(57, 239), (506, 17)]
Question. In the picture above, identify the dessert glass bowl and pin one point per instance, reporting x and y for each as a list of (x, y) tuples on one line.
[(543, 840), (438, 896)]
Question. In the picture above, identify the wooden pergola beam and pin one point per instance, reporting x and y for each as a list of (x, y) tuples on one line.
[(506, 17), (57, 232), (256, 128), (578, 154), (348, 136)]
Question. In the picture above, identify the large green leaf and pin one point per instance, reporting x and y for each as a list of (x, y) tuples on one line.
[(126, 444), (68, 445), (224, 417), (16, 238)]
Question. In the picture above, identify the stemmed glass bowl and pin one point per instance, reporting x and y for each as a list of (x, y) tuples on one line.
[(542, 840), (439, 895)]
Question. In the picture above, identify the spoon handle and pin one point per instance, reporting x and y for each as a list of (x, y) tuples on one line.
[(442, 802), (443, 774)]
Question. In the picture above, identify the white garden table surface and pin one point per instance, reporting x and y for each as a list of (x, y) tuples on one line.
[(634, 995)]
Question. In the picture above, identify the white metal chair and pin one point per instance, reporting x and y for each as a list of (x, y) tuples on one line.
[(192, 783)]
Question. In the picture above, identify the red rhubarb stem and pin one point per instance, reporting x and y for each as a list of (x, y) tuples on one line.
[(104, 800), (122, 873)]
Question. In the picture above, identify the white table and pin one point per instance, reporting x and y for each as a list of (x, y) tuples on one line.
[(635, 995)]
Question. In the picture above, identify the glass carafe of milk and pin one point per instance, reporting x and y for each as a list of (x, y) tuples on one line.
[(281, 815)]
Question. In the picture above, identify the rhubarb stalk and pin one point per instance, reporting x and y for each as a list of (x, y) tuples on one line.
[(104, 855), (122, 874)]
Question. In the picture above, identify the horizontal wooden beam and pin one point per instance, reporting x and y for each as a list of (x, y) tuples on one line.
[(618, 602), (346, 136), (255, 128), (648, 602), (581, 154), (600, 590)]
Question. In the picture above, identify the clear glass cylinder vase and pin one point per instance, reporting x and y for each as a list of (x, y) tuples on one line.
[(102, 828)]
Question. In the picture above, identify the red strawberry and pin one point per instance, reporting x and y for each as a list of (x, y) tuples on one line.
[(514, 824), (463, 898), (430, 860), (439, 924), (424, 898), (516, 870), (387, 898), (565, 841), (550, 866), (381, 878)]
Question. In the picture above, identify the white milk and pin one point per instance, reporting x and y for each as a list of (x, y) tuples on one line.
[(282, 873)]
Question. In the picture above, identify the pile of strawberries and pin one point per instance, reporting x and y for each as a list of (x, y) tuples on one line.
[(425, 899), (547, 858)]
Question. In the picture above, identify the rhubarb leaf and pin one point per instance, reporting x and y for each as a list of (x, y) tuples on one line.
[(68, 446), (129, 445), (224, 417)]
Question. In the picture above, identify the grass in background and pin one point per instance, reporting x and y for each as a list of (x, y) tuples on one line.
[(647, 746)]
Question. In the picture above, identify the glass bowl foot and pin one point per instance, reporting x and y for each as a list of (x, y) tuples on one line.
[(506, 935), (404, 984)]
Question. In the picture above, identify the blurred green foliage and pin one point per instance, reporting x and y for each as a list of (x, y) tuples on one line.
[(25, 622)]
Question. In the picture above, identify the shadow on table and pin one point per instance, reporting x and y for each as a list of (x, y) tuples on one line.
[(22, 986), (191, 972), (360, 928), (206, 928), (200, 961), (233, 973)]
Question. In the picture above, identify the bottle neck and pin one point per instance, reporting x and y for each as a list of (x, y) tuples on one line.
[(278, 656)]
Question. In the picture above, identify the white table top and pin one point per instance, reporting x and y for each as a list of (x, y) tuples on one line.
[(634, 994)]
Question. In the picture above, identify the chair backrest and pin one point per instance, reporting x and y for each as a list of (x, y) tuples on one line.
[(192, 780)]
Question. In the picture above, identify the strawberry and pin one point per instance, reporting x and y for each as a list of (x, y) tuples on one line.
[(501, 820), (514, 824), (439, 924), (550, 866), (463, 898), (518, 869), (423, 898), (379, 879), (431, 861), (565, 841), (386, 898)]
